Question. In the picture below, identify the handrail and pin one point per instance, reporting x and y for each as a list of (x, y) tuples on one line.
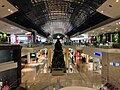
[(10, 86), (114, 79), (88, 77), (81, 77), (36, 83)]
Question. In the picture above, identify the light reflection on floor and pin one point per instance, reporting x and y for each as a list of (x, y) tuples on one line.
[(76, 88), (86, 77)]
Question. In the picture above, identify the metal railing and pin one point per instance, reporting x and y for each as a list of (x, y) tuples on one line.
[(14, 84)]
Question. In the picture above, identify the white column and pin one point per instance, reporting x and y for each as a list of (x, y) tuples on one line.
[(111, 37), (28, 57), (87, 58)]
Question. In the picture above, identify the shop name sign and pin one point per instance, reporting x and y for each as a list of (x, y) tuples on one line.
[(98, 54), (114, 64)]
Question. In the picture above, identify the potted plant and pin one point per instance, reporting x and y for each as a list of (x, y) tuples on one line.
[(98, 40), (116, 37), (104, 39)]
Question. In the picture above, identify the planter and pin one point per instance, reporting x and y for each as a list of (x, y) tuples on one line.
[(116, 45)]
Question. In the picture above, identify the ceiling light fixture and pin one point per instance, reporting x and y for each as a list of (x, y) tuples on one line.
[(101, 11), (58, 36), (109, 29), (116, 23), (9, 10), (102, 28), (110, 5), (3, 6), (12, 27), (119, 22), (117, 0)]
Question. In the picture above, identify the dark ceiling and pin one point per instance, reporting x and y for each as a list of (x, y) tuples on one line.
[(81, 14)]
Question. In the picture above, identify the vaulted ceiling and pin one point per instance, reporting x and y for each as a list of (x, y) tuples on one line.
[(71, 16)]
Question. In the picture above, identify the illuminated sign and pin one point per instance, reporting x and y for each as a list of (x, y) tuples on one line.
[(98, 54), (114, 64)]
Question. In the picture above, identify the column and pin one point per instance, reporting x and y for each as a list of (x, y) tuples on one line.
[(28, 57), (34, 37), (66, 57), (111, 37), (49, 56), (87, 58), (105, 67), (17, 58)]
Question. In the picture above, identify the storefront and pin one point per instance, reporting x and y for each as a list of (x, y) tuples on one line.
[(93, 59), (10, 66), (21, 39), (72, 56)]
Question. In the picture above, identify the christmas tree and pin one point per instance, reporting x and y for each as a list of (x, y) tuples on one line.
[(58, 57)]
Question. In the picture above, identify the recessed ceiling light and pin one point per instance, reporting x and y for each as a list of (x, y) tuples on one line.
[(3, 6), (110, 5), (116, 23), (9, 10), (119, 22), (109, 29), (102, 28), (116, 28), (117, 0), (101, 11), (12, 27)]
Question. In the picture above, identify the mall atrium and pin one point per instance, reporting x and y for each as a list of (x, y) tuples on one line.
[(59, 44)]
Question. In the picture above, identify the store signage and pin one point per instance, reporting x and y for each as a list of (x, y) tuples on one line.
[(114, 64), (98, 54)]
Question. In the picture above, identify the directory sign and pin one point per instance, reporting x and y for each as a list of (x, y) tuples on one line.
[(98, 54), (114, 64)]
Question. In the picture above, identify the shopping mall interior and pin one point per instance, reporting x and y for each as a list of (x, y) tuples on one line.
[(59, 45)]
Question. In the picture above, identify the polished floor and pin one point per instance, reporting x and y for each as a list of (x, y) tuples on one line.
[(37, 76)]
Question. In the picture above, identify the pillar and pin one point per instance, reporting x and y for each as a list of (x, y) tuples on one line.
[(28, 57), (105, 68), (87, 58), (49, 56), (111, 37), (17, 58), (34, 37), (66, 57)]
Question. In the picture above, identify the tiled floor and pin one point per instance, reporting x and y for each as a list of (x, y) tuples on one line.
[(38, 78)]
